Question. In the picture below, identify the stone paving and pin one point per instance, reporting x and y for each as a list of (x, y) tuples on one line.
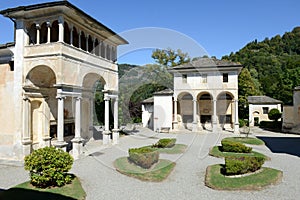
[(101, 181)]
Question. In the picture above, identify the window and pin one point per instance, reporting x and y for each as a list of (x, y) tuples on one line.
[(184, 78), (225, 78), (265, 110), (204, 78)]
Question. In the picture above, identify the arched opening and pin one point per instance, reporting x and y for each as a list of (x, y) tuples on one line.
[(225, 108), (185, 108), (83, 41), (96, 47), (43, 33), (94, 106), (205, 108), (90, 44), (54, 31), (67, 33), (32, 34), (75, 38)]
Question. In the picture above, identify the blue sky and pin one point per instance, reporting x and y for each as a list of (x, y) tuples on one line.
[(217, 26)]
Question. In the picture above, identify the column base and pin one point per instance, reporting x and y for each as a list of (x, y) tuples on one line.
[(27, 146), (115, 136), (77, 147), (236, 129), (175, 125), (60, 145), (106, 137), (46, 141), (196, 127)]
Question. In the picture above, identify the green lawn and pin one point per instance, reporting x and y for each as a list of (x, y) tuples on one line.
[(27, 191), (156, 173), (216, 180), (215, 151), (246, 140)]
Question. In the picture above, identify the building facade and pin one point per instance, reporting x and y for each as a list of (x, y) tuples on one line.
[(205, 96), (48, 75)]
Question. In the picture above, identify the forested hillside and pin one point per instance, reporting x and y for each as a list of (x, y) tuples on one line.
[(273, 66)]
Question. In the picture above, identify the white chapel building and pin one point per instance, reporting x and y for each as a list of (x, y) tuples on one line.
[(205, 96), (47, 77)]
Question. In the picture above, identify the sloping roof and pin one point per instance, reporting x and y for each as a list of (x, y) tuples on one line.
[(263, 100), (167, 91), (149, 100), (19, 12), (207, 64)]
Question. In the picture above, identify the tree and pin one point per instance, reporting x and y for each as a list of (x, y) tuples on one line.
[(274, 114), (169, 57)]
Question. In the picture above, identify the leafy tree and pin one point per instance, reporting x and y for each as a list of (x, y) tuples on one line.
[(274, 114), (169, 57)]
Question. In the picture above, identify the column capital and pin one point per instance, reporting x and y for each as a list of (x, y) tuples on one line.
[(48, 24), (37, 26), (60, 97)]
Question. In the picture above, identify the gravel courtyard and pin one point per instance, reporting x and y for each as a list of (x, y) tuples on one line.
[(101, 181)]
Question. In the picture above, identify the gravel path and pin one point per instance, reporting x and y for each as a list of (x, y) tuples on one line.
[(101, 181)]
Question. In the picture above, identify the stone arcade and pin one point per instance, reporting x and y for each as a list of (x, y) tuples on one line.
[(47, 79)]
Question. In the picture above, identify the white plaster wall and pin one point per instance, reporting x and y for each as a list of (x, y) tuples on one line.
[(259, 108), (147, 112), (163, 111)]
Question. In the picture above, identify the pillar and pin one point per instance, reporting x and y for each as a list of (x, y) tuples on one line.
[(71, 36), (48, 32), (37, 33), (106, 132), (26, 140), (60, 29), (60, 123), (77, 141), (79, 39), (175, 122), (214, 117), (93, 50), (196, 127), (46, 126), (236, 117), (87, 43), (116, 125)]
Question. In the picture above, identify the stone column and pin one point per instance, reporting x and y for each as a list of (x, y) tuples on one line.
[(60, 123), (60, 29), (100, 46), (214, 117), (46, 128), (236, 117), (37, 33), (48, 32), (79, 39), (93, 50), (106, 132), (77, 141), (26, 140), (116, 125), (196, 128), (87, 43), (175, 122), (71, 36)]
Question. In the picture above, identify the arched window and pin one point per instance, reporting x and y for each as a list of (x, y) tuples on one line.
[(75, 38), (43, 33), (90, 44), (54, 32), (32, 34), (83, 41), (96, 50), (67, 33)]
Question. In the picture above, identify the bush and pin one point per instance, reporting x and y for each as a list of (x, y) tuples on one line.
[(242, 123), (49, 167), (271, 125), (274, 114), (144, 157), (165, 143), (237, 147), (242, 165)]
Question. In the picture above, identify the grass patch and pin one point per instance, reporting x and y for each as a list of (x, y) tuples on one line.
[(158, 172), (246, 140), (216, 180), (176, 149), (25, 190), (216, 152)]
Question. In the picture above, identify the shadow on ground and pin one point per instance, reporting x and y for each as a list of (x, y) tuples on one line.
[(288, 145), (20, 194)]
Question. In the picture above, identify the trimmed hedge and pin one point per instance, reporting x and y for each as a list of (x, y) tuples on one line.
[(165, 143), (49, 167), (237, 147), (242, 165), (144, 157)]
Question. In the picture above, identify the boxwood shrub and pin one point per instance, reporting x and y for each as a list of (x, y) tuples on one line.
[(144, 157), (237, 147), (242, 165), (49, 167), (165, 143)]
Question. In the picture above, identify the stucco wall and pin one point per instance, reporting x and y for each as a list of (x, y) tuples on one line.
[(256, 110), (162, 112)]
